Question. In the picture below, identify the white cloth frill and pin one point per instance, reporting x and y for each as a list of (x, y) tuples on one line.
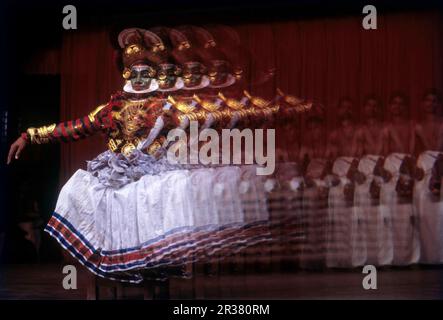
[(129, 216), (429, 208), (343, 226), (400, 218)]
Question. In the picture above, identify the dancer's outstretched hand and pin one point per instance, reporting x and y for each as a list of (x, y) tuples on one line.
[(16, 149)]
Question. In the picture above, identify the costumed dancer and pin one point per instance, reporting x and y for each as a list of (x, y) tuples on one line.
[(315, 192), (429, 207), (401, 241), (132, 212), (368, 242), (428, 135), (343, 225), (341, 194)]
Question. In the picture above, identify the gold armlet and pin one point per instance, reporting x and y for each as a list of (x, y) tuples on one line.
[(231, 103), (40, 135), (93, 114), (271, 110), (275, 109), (256, 101), (181, 106)]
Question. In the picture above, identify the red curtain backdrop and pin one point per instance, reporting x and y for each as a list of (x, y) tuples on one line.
[(322, 59), (89, 76)]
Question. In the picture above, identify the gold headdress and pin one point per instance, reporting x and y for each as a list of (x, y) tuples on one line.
[(139, 46)]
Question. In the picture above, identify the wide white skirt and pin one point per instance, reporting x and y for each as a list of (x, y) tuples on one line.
[(157, 222), (400, 218), (342, 226), (430, 212)]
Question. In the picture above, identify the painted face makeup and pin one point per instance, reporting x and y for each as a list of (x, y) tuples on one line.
[(141, 77), (193, 73), (167, 75), (218, 72)]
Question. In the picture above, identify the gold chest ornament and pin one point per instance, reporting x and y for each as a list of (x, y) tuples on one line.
[(131, 120)]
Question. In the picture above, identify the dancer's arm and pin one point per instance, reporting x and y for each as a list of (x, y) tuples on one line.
[(95, 121)]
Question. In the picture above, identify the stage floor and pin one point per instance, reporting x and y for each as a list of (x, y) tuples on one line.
[(45, 282)]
